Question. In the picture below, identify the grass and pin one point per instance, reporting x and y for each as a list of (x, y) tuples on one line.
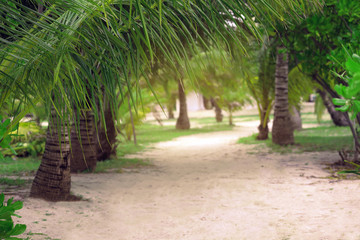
[(12, 182), (6, 182), (324, 138), (19, 167)]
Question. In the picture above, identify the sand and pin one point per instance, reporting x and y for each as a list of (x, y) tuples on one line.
[(206, 187)]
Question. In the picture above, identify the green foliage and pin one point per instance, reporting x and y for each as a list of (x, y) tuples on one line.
[(139, 108), (5, 137), (220, 78), (7, 228), (28, 139), (300, 86), (356, 171), (318, 41), (350, 93)]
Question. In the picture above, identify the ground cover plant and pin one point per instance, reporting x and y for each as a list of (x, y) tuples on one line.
[(7, 210)]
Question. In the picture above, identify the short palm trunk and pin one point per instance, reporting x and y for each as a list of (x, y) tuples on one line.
[(53, 179), (83, 150)]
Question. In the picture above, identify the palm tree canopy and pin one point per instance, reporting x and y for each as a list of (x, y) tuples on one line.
[(69, 53)]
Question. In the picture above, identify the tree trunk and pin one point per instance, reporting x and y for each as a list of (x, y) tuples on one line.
[(83, 149), (170, 112), (282, 131), (230, 115), (53, 179), (218, 112), (295, 118), (171, 104), (106, 137), (337, 117), (183, 119), (207, 103), (263, 127)]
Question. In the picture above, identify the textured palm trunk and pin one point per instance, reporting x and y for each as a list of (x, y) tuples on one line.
[(282, 131), (53, 179), (106, 137), (337, 117), (183, 119), (218, 111), (263, 127), (295, 117), (83, 148)]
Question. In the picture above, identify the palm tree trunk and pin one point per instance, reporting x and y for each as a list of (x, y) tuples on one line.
[(170, 112), (171, 104), (83, 149), (282, 131), (218, 111), (231, 115), (183, 119), (207, 103), (53, 179), (106, 136), (337, 117), (263, 127), (295, 117)]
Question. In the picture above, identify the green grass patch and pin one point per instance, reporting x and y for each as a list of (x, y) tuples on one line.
[(324, 138), (12, 182), (20, 166)]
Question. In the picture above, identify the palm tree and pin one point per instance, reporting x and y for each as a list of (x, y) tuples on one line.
[(72, 51), (282, 131), (182, 121), (262, 86), (83, 144), (53, 180)]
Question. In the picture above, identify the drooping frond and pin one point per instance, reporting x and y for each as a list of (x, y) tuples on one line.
[(71, 53)]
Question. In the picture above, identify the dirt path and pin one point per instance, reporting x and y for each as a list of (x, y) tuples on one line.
[(206, 187)]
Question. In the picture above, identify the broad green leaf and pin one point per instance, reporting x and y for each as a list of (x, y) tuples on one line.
[(17, 230), (343, 108), (352, 66), (339, 101)]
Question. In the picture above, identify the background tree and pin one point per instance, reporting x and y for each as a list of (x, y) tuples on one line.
[(282, 131), (219, 79), (320, 50)]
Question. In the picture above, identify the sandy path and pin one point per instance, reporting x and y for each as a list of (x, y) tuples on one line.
[(206, 187)]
